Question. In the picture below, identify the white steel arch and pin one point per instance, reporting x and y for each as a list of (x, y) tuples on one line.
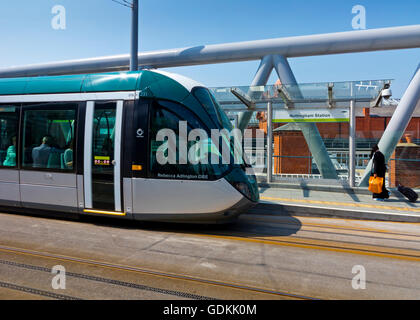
[(322, 44)]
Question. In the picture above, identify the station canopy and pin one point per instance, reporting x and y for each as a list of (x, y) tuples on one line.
[(306, 95)]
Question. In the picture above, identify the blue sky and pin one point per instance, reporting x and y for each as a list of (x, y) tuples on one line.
[(101, 27)]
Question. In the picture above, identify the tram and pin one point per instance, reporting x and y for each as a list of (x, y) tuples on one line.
[(89, 144)]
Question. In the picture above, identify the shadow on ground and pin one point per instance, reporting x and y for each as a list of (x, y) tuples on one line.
[(244, 226)]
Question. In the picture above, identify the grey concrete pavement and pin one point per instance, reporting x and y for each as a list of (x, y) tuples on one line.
[(335, 201), (306, 256)]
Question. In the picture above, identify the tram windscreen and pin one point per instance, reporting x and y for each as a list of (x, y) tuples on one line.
[(175, 156), (209, 102)]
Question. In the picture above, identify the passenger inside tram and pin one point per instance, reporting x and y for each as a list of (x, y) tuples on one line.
[(68, 157), (54, 128), (41, 154), (10, 160)]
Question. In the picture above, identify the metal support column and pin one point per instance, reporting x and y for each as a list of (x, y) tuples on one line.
[(269, 142), (398, 123), (352, 144), (134, 61), (260, 79), (309, 130)]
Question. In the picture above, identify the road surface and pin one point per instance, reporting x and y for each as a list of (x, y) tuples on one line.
[(258, 257)]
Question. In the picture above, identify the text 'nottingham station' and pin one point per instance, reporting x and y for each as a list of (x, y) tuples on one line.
[(90, 144)]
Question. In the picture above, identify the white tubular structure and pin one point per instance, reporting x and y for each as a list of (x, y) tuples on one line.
[(309, 130), (260, 79), (398, 123), (332, 43)]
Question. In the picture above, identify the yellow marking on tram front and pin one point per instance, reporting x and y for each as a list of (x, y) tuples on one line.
[(114, 213)]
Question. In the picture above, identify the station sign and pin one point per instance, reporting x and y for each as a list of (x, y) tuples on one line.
[(311, 115)]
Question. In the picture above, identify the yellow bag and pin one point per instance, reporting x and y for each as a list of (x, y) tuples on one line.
[(375, 184)]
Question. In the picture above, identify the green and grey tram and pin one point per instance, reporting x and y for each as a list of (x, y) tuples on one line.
[(90, 144)]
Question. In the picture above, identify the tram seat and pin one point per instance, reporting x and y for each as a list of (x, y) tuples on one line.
[(54, 161)]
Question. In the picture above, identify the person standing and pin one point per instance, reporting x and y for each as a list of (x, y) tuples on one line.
[(379, 170)]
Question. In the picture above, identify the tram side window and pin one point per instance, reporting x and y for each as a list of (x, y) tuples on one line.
[(9, 116), (49, 137), (167, 115)]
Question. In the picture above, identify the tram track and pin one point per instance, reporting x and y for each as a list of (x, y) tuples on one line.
[(329, 233), (262, 230), (302, 242), (267, 235), (351, 245), (112, 266), (378, 251), (387, 251), (264, 218), (261, 236), (110, 281), (37, 292)]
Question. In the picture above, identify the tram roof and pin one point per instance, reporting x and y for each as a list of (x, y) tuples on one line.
[(149, 83)]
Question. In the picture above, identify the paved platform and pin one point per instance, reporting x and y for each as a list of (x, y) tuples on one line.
[(334, 201), (257, 257)]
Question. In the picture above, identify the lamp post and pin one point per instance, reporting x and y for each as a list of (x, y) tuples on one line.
[(134, 60)]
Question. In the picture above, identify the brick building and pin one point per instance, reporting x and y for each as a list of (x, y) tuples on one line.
[(291, 154), (403, 169)]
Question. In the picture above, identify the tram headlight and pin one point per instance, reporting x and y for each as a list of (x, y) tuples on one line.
[(245, 184), (243, 188)]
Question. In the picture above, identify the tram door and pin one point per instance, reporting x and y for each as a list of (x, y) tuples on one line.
[(102, 157)]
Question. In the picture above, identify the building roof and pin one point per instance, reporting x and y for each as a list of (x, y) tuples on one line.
[(385, 111), (291, 126)]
